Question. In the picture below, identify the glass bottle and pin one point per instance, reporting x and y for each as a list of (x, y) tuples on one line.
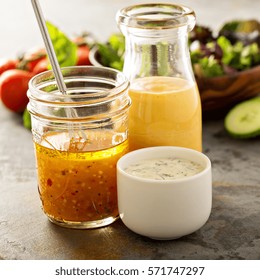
[(166, 107), (78, 139)]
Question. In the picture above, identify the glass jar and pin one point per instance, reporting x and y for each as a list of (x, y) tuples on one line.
[(78, 138), (166, 107)]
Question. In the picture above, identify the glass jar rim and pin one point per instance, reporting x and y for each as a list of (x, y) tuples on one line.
[(92, 91), (115, 77), (156, 16)]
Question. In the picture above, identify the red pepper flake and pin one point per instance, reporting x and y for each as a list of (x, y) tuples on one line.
[(74, 193), (49, 182)]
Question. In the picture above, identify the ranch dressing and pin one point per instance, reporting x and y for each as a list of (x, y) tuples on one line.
[(169, 168)]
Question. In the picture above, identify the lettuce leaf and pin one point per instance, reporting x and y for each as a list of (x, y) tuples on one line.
[(229, 52), (239, 56), (250, 55), (208, 67), (27, 119), (65, 49), (221, 57), (112, 52)]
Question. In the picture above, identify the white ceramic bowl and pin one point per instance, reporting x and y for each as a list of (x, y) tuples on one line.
[(162, 209)]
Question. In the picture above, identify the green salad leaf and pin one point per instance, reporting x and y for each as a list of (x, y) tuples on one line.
[(112, 52), (208, 67), (250, 55), (239, 56), (229, 52), (220, 56), (65, 49), (117, 42), (26, 119)]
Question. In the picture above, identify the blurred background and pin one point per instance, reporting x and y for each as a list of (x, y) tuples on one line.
[(19, 30)]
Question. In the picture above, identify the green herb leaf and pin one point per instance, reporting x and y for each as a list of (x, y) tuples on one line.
[(238, 56), (117, 42), (250, 55), (108, 54), (227, 48), (65, 49), (26, 119), (112, 53), (209, 67)]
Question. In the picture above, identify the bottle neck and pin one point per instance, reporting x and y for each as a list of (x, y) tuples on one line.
[(157, 53)]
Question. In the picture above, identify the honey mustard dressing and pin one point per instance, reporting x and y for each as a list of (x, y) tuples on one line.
[(165, 111)]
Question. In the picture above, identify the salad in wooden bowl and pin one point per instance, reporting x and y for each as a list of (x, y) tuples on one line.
[(226, 66)]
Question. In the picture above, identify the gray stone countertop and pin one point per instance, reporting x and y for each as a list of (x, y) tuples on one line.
[(232, 231)]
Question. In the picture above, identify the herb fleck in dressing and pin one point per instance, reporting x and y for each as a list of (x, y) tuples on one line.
[(164, 168)]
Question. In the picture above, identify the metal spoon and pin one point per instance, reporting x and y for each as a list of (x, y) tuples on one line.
[(49, 47), (54, 61)]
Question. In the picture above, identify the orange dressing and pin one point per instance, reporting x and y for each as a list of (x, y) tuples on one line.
[(164, 111), (78, 184)]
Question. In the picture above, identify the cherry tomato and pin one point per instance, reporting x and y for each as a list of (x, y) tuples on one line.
[(7, 64), (79, 40), (31, 58), (41, 66), (13, 89), (83, 55)]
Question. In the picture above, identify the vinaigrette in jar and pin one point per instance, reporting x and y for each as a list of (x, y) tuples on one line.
[(77, 178)]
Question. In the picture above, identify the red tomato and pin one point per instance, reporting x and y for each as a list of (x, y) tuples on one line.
[(41, 66), (13, 89), (79, 40), (7, 64), (31, 58), (83, 55)]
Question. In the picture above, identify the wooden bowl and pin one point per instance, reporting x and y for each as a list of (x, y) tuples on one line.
[(218, 94)]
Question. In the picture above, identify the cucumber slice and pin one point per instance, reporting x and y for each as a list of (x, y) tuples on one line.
[(243, 121)]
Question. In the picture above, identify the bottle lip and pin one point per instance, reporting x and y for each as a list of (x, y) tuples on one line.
[(156, 16)]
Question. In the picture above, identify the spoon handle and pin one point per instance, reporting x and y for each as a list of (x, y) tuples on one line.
[(49, 47)]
